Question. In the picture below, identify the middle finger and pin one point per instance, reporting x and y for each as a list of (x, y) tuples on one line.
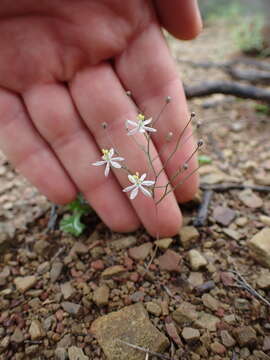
[(100, 98)]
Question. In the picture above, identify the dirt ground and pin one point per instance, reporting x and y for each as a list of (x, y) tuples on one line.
[(53, 286)]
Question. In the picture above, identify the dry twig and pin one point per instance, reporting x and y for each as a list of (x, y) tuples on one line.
[(201, 217), (147, 351), (228, 88), (243, 284), (231, 186)]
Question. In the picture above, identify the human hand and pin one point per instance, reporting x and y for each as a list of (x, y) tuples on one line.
[(64, 69)]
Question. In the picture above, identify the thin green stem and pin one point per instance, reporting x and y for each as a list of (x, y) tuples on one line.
[(177, 185), (175, 148)]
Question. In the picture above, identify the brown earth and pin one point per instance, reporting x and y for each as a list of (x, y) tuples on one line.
[(61, 287)]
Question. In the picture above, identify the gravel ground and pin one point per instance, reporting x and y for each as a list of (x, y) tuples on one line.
[(86, 298)]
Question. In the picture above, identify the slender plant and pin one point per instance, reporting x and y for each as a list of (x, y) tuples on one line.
[(145, 184)]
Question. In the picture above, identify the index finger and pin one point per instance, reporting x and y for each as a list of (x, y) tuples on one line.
[(152, 79)]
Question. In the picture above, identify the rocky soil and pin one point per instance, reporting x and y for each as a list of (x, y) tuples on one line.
[(206, 293)]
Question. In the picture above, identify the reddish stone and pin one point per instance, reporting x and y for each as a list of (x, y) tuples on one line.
[(220, 312), (218, 348), (134, 277), (127, 300), (97, 265), (128, 263), (75, 273), (44, 296), (59, 314), (227, 278), (170, 261), (60, 328), (153, 267)]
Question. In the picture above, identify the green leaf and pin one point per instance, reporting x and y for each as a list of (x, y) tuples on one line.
[(262, 109), (72, 224), (79, 205), (204, 159)]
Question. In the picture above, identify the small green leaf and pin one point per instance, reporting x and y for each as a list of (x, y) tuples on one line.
[(72, 224), (262, 109), (204, 159), (79, 205)]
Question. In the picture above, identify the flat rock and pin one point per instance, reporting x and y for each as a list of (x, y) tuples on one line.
[(195, 279), (43, 267), (260, 247), (123, 243), (56, 270), (211, 179), (17, 336), (266, 343), (130, 324), (101, 295), (76, 353), (250, 199), (262, 179), (164, 243), (210, 302), (223, 215), (217, 348), (265, 219), (246, 336), (71, 308), (60, 354), (24, 283), (190, 334), (153, 308), (170, 261), (227, 339), (140, 252), (67, 290), (112, 271), (196, 259), (233, 234), (263, 280), (78, 248), (65, 342), (207, 321), (185, 314), (36, 330), (188, 236), (41, 246)]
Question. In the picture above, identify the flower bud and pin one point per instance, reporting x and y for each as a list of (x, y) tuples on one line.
[(200, 143)]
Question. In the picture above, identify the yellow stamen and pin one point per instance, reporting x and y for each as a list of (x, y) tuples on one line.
[(105, 151), (140, 117), (136, 176)]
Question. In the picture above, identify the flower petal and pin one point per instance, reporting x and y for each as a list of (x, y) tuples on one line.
[(133, 123), (148, 121), (98, 163), (115, 164), (134, 193), (148, 183), (107, 169), (149, 129), (118, 159), (129, 188), (143, 177), (145, 191), (133, 131), (131, 179)]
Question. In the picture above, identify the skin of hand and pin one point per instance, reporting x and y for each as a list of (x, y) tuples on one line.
[(65, 67)]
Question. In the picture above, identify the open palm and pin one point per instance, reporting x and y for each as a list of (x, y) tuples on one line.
[(64, 69)]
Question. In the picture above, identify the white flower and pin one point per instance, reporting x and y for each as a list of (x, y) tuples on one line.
[(138, 184), (140, 125), (109, 160)]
